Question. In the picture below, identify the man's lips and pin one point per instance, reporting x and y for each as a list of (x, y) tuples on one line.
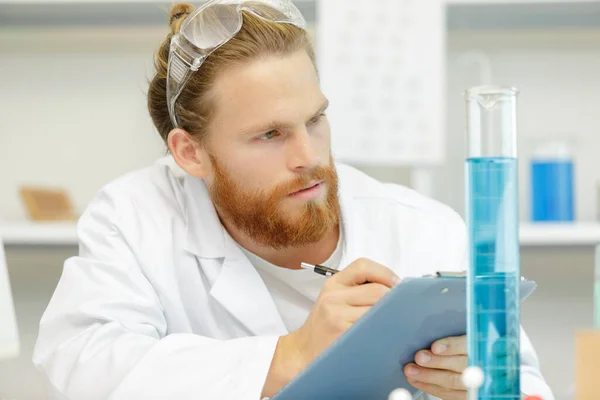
[(311, 186)]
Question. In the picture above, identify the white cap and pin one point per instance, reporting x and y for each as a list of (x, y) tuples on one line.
[(400, 394), (552, 150), (472, 377)]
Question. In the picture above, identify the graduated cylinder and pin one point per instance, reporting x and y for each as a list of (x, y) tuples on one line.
[(492, 220)]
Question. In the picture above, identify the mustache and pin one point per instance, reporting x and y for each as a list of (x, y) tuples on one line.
[(300, 182)]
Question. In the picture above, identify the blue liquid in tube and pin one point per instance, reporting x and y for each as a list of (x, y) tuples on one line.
[(493, 295)]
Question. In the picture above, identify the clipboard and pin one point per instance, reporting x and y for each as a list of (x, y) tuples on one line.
[(367, 361)]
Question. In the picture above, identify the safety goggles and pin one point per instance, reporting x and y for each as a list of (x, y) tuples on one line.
[(211, 26)]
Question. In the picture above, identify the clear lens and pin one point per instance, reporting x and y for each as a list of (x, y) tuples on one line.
[(213, 26), (276, 11)]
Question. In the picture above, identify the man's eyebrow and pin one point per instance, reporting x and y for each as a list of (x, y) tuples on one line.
[(273, 126)]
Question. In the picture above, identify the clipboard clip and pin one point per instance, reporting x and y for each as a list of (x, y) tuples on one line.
[(453, 274), (447, 274)]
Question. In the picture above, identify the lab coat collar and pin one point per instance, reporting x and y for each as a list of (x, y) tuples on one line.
[(238, 286), (205, 233), (349, 223), (241, 290)]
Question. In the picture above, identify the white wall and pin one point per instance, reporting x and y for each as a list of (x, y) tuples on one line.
[(73, 110)]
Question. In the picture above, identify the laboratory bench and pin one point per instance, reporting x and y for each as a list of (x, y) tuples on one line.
[(531, 234)]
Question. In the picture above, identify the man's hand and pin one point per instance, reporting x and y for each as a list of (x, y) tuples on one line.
[(439, 371), (346, 296)]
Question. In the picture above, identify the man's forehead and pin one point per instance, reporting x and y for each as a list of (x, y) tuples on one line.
[(267, 89)]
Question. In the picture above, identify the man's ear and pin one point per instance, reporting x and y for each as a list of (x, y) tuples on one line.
[(188, 153)]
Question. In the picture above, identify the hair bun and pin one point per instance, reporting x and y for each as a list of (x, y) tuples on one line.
[(177, 15)]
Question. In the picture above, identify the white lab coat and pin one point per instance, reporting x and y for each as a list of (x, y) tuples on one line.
[(161, 303)]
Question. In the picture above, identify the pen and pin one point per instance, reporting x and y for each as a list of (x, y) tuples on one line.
[(320, 269)]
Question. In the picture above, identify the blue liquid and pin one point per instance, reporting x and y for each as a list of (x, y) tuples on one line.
[(552, 190), (493, 281)]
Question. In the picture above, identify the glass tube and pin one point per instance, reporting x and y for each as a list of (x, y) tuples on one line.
[(493, 324)]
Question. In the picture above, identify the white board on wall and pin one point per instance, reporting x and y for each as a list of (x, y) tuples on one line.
[(382, 66)]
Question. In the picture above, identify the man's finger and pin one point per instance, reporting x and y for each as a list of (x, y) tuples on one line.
[(365, 295), (450, 346), (427, 359), (445, 379), (437, 391), (364, 270)]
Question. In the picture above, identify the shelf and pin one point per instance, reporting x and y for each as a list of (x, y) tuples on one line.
[(532, 14), (64, 233), (510, 3), (38, 233), (88, 13), (577, 234), (462, 14)]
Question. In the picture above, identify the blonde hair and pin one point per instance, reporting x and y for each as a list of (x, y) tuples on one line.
[(256, 38)]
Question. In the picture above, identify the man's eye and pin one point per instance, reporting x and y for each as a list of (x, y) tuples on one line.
[(316, 119), (269, 135)]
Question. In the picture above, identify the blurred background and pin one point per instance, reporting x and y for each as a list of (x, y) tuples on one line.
[(73, 77)]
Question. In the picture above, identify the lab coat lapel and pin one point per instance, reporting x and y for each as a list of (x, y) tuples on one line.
[(361, 240), (237, 286), (364, 224), (240, 289), (354, 237)]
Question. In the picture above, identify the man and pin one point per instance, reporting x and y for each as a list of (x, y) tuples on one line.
[(190, 287)]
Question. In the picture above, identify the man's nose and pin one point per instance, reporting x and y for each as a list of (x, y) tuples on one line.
[(301, 151)]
